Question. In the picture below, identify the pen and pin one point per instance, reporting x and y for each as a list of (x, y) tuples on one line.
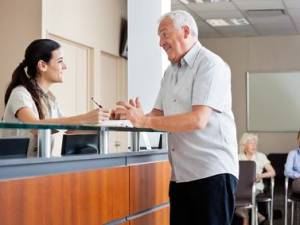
[(93, 100)]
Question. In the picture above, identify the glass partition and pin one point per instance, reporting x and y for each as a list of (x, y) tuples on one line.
[(20, 140)]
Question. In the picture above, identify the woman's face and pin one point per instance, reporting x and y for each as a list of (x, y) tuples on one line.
[(55, 68), (250, 146)]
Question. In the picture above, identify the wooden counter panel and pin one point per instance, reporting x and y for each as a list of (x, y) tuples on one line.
[(125, 223), (160, 217), (85, 198), (149, 185)]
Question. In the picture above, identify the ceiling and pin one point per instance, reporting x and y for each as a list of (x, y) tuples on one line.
[(263, 23)]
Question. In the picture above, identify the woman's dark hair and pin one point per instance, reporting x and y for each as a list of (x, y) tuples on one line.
[(26, 73)]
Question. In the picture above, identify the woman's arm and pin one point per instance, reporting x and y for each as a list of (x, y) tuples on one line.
[(26, 115), (270, 171)]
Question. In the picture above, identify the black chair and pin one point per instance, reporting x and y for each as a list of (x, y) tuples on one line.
[(245, 194), (278, 161), (291, 197), (268, 197), (13, 147)]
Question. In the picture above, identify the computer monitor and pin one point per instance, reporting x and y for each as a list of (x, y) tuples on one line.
[(13, 147), (80, 144)]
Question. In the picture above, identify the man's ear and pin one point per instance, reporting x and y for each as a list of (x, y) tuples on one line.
[(186, 31), (42, 66)]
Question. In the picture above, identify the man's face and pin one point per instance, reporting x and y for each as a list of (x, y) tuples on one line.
[(172, 40)]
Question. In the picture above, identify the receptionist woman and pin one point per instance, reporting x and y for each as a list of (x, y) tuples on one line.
[(28, 99)]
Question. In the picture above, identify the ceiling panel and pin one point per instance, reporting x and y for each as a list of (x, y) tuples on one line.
[(220, 14), (295, 15), (292, 4), (277, 25), (258, 4), (176, 5), (209, 35), (217, 6), (272, 20), (264, 24), (205, 30), (273, 31), (237, 31)]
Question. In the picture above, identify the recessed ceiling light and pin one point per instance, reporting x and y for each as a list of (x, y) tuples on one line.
[(184, 1), (239, 21), (217, 22), (203, 1), (265, 12), (227, 22)]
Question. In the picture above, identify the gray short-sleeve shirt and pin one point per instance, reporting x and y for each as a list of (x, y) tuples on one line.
[(202, 78)]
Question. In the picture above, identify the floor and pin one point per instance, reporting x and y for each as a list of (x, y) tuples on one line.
[(278, 211)]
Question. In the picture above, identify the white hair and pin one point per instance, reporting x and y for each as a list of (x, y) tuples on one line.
[(245, 138), (181, 18)]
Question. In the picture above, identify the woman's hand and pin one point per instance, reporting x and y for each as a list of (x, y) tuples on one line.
[(96, 116), (259, 177)]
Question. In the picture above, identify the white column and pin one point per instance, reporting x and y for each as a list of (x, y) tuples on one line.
[(146, 62)]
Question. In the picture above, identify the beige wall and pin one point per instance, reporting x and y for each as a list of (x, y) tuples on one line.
[(94, 23), (259, 55), (20, 23)]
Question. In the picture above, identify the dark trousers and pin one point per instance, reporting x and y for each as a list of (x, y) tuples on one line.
[(208, 201)]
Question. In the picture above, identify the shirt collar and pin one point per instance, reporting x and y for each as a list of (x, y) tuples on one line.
[(47, 94), (190, 57)]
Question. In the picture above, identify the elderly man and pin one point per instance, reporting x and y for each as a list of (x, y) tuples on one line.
[(194, 106)]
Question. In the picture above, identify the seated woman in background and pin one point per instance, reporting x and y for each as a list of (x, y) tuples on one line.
[(264, 169), (28, 99), (292, 165)]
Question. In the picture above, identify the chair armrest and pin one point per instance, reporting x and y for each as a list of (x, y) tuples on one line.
[(286, 185), (286, 189), (272, 186), (253, 194)]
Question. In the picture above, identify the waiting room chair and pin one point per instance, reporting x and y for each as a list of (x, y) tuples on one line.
[(278, 161), (268, 197), (245, 194), (291, 197)]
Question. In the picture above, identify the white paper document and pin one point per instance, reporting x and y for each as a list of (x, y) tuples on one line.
[(116, 123)]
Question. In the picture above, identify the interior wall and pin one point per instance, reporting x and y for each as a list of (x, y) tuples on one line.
[(145, 64), (258, 54), (20, 23), (94, 23)]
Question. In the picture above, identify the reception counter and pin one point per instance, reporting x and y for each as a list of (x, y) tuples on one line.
[(129, 188)]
